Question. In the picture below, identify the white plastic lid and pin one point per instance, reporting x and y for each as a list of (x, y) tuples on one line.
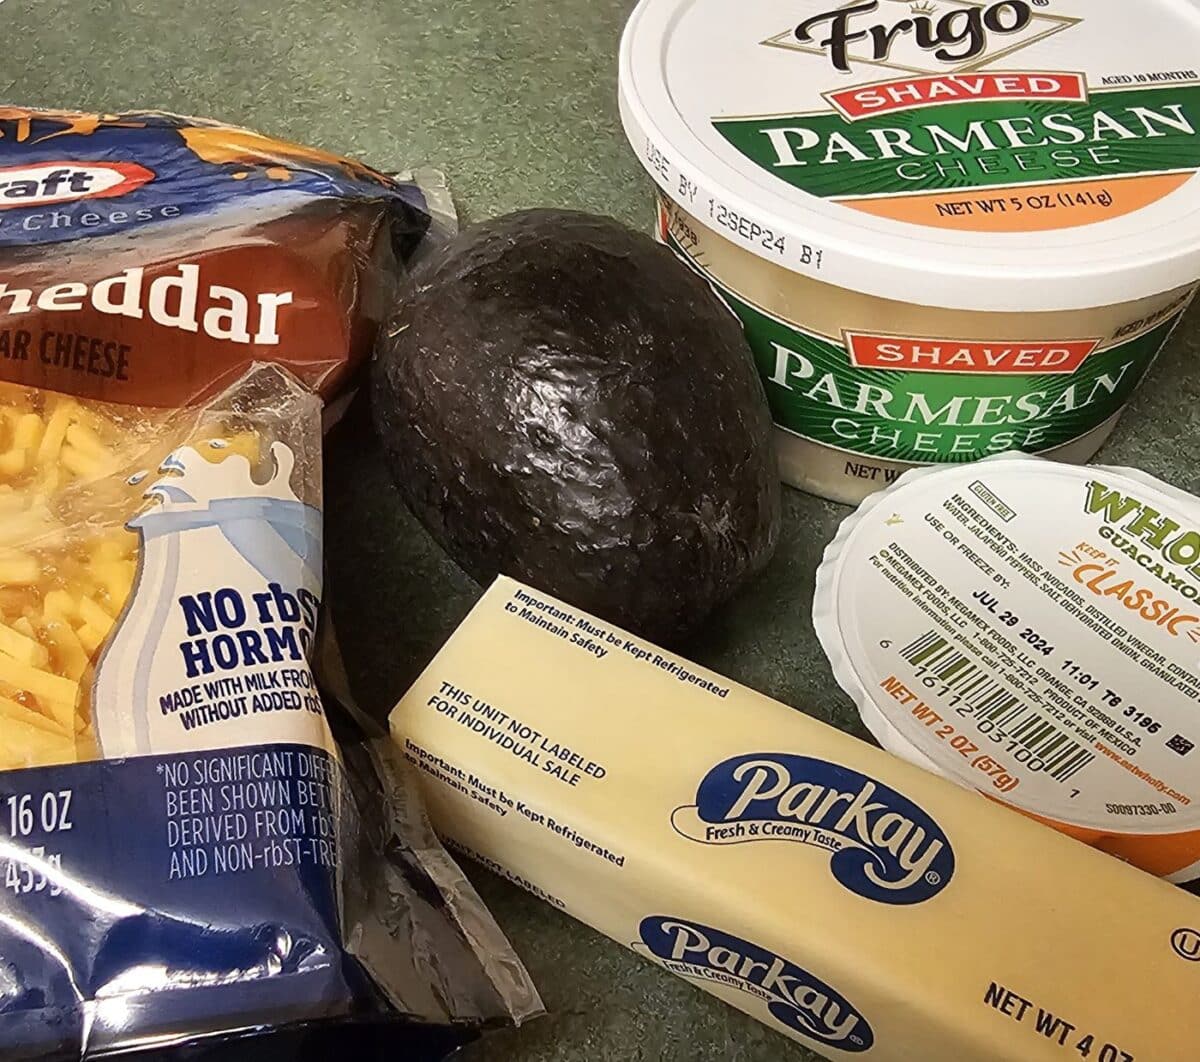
[(1008, 155), (1031, 630)]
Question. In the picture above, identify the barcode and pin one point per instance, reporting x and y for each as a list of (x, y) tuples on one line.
[(996, 709)]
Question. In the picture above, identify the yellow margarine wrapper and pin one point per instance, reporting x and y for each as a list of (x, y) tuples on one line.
[(841, 896)]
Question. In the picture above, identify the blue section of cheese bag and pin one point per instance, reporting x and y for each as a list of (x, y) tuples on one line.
[(120, 875), (67, 175)]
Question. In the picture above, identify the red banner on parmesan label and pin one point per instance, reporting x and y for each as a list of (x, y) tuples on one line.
[(909, 93), (1002, 356)]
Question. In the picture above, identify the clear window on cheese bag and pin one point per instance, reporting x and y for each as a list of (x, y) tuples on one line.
[(72, 476)]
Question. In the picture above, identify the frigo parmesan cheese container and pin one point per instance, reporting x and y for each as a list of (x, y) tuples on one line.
[(950, 229), (785, 867), (1032, 630)]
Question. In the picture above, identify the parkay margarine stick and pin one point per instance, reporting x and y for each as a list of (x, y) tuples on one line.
[(840, 896)]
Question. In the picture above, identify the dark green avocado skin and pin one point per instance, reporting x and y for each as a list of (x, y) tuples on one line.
[(563, 402)]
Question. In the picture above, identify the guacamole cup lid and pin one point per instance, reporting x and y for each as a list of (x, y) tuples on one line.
[(1032, 630), (1006, 155)]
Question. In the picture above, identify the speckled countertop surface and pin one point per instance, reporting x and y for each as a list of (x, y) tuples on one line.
[(515, 101)]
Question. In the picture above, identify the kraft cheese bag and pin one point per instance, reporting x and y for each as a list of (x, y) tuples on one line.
[(196, 844)]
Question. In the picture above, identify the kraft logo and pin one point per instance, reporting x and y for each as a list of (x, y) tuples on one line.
[(885, 848), (794, 997), (46, 183)]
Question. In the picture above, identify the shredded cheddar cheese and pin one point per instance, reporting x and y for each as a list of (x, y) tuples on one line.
[(68, 486)]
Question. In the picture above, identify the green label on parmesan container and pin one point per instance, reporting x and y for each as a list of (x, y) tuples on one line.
[(944, 399), (1060, 157)]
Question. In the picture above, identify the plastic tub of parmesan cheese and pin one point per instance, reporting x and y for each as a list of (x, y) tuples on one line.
[(1031, 629), (950, 229)]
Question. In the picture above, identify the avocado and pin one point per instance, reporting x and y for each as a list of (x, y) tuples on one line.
[(561, 400)]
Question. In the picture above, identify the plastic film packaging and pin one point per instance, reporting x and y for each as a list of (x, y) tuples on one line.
[(191, 850)]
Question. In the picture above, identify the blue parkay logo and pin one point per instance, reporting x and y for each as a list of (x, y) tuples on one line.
[(884, 846), (794, 997)]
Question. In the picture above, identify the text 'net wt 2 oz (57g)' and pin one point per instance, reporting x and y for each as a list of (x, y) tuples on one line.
[(186, 852)]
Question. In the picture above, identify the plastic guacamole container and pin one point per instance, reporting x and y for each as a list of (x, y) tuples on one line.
[(1032, 630), (950, 229)]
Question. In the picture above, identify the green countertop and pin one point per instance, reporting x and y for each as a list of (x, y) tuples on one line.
[(515, 101)]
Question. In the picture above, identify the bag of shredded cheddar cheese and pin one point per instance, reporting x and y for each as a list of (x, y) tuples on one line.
[(187, 855)]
